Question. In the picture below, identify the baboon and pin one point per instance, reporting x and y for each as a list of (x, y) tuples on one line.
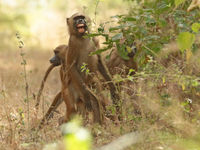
[(78, 53), (56, 60), (170, 54), (116, 63), (76, 82)]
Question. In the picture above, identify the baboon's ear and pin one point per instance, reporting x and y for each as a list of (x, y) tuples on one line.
[(67, 20), (88, 20)]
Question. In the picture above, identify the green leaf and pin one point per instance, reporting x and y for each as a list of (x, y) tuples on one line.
[(117, 37), (101, 29), (195, 83), (131, 71), (99, 51), (195, 27), (152, 37), (114, 28), (150, 21), (178, 2), (117, 78), (185, 40), (117, 16), (122, 52), (109, 55), (93, 35), (25, 144), (129, 19)]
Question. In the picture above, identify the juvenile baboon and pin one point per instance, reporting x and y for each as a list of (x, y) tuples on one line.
[(116, 64), (71, 105), (79, 51), (170, 55), (56, 60)]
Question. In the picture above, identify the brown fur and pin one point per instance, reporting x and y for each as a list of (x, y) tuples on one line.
[(75, 82), (117, 65), (42, 86), (79, 49), (57, 60), (170, 55), (59, 52), (114, 64)]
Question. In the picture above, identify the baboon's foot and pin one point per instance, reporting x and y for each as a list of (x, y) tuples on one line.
[(62, 120)]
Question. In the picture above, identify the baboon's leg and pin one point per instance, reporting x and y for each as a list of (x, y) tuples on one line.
[(69, 100), (56, 102), (81, 108), (97, 115), (113, 90), (97, 110)]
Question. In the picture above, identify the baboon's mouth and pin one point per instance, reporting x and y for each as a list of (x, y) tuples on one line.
[(81, 28)]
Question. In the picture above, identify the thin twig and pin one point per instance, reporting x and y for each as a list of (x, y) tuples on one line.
[(21, 45), (95, 12)]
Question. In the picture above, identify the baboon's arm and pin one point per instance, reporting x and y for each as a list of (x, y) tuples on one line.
[(80, 85)]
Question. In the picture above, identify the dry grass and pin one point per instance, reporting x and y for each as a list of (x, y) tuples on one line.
[(13, 126), (14, 130), (155, 102)]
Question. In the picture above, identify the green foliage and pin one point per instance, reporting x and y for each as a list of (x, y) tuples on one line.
[(185, 40), (85, 69), (150, 25), (178, 2), (195, 27)]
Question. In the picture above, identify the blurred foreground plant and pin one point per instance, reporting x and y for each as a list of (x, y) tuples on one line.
[(75, 137)]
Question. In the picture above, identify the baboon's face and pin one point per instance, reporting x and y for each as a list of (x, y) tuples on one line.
[(133, 51), (55, 60), (59, 55), (78, 24)]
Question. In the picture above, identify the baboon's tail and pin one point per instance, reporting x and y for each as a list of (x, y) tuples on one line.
[(42, 86)]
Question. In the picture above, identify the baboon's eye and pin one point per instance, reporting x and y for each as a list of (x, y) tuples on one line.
[(79, 17), (55, 52)]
